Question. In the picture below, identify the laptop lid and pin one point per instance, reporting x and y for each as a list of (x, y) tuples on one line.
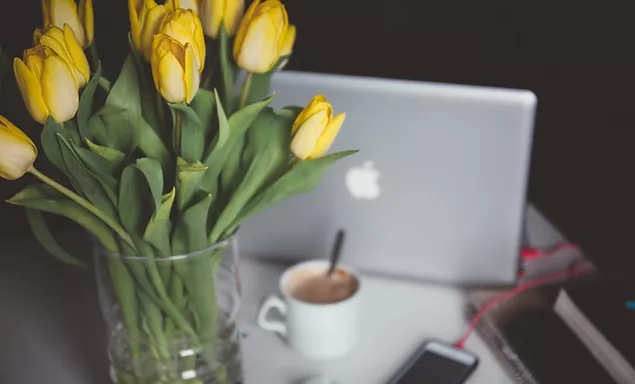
[(437, 191)]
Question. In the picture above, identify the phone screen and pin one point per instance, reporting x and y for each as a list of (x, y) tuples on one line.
[(435, 368)]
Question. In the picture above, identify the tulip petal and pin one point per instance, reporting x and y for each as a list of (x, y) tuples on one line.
[(87, 18), (57, 46), (319, 103), (244, 26), (31, 91), (65, 12), (259, 50), (77, 55), (328, 136), (232, 14), (58, 89), (16, 132), (304, 141), (289, 40), (191, 74), (134, 9), (150, 27), (184, 27), (170, 79), (214, 14), (17, 151)]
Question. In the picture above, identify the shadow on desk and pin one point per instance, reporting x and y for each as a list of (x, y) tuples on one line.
[(51, 329)]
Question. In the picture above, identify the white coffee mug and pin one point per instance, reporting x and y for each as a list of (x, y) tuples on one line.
[(317, 331)]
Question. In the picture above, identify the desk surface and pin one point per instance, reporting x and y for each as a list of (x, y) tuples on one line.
[(399, 317), (51, 330)]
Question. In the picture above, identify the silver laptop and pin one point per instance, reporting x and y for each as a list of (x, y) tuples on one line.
[(437, 191)]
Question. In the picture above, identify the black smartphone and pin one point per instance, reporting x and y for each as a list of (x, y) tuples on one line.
[(437, 363)]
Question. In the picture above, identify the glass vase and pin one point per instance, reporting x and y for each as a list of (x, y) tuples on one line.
[(172, 319)]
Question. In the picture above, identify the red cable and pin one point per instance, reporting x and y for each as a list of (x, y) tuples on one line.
[(537, 253), (513, 292)]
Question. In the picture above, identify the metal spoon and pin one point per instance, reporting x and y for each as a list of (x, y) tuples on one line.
[(336, 252)]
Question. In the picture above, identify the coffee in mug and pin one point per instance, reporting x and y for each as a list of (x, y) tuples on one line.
[(311, 284), (321, 313)]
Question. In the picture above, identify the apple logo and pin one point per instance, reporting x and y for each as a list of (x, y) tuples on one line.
[(363, 182)]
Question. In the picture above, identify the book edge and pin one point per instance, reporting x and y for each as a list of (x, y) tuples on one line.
[(596, 343)]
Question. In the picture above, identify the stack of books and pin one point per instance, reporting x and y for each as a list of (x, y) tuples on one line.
[(580, 332)]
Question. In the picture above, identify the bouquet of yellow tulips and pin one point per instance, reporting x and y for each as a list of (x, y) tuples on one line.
[(166, 160)]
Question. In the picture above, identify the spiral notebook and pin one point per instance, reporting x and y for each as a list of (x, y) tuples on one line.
[(537, 346)]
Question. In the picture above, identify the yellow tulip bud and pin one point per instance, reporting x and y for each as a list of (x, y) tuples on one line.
[(17, 151), (47, 84), (174, 69), (260, 36), (185, 27), (78, 16), (287, 44), (216, 12), (315, 129), (146, 18), (65, 45)]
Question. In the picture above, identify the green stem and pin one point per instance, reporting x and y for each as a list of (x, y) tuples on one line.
[(178, 131), (245, 92), (84, 204)]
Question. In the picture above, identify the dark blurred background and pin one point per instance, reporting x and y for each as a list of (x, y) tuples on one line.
[(578, 58)]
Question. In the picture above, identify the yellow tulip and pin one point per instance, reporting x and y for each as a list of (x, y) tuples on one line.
[(174, 69), (315, 129), (185, 27), (78, 16), (215, 12), (47, 84), (17, 151), (287, 45), (146, 18), (260, 36), (66, 46)]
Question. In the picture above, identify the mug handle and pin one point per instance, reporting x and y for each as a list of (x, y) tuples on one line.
[(272, 302)]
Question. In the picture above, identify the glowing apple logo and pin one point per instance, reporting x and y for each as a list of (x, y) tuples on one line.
[(363, 182)]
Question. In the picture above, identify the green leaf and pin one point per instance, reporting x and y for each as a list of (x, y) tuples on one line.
[(151, 101), (101, 169), (128, 129), (232, 171), (86, 181), (153, 173), (158, 230), (204, 104), (51, 144), (85, 109), (152, 145), (239, 122), (223, 124), (190, 233), (41, 197), (228, 71), (112, 155), (119, 130), (188, 179), (72, 132), (303, 177), (133, 197), (48, 241), (192, 134), (268, 146)]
